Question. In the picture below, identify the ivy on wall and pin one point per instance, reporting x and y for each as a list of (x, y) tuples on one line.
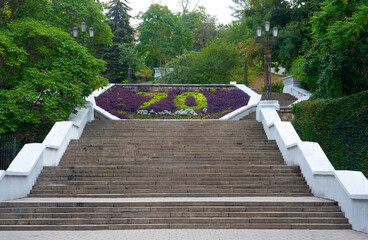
[(340, 126)]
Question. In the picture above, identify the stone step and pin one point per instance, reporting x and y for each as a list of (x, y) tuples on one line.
[(173, 226), (161, 183), (165, 195), (167, 187), (179, 174), (169, 220), (98, 212), (221, 162), (71, 179), (201, 176), (183, 147), (128, 168), (172, 189)]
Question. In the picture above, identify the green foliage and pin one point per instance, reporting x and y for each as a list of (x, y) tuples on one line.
[(144, 74), (275, 87), (215, 63), (201, 24), (162, 35), (119, 56), (156, 97), (337, 64), (340, 126), (296, 36), (44, 75), (200, 99), (291, 17), (238, 8), (67, 14)]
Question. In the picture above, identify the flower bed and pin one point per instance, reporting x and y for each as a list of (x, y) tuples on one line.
[(171, 102)]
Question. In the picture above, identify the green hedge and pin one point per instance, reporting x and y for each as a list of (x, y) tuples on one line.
[(340, 126)]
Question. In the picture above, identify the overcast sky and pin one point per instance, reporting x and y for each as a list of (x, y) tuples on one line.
[(218, 8)]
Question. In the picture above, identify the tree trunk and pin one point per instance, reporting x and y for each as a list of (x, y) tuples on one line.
[(246, 73)]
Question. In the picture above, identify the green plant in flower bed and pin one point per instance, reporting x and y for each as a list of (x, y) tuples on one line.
[(171, 103), (200, 99), (156, 97), (340, 126)]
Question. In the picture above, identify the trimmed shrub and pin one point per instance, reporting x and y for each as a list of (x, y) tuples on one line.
[(340, 126)]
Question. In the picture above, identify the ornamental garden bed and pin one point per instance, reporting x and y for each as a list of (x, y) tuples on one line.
[(141, 102)]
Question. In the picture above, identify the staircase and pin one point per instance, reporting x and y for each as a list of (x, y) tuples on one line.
[(171, 174)]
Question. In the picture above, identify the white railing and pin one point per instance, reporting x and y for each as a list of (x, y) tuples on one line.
[(291, 86), (348, 188), (18, 180), (244, 111)]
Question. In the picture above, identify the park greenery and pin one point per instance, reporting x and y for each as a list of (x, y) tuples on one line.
[(45, 73)]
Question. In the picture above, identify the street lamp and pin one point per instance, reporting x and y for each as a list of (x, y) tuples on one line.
[(267, 58), (91, 31)]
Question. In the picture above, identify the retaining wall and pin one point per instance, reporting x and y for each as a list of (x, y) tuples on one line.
[(348, 188), (18, 180)]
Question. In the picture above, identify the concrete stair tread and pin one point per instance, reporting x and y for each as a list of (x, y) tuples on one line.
[(171, 174)]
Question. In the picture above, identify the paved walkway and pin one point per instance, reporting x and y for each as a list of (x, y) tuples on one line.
[(187, 235)]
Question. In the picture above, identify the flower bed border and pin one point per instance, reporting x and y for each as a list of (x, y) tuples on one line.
[(235, 115)]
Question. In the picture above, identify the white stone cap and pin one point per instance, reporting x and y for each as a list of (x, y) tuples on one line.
[(272, 116), (354, 183), (305, 98), (79, 118), (2, 174), (99, 91), (269, 104), (55, 137), (316, 158), (26, 159), (254, 97), (288, 135), (106, 113)]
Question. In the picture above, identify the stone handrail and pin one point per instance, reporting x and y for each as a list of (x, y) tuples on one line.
[(18, 180), (291, 86), (244, 111), (348, 188)]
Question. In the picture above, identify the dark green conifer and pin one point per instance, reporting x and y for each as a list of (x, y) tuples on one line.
[(118, 19)]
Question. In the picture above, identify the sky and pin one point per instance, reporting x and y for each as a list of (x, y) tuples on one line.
[(218, 8)]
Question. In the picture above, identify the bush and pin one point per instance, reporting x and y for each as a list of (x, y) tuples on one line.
[(217, 63), (275, 87), (340, 126)]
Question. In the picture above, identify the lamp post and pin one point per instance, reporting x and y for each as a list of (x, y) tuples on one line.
[(91, 31), (267, 58)]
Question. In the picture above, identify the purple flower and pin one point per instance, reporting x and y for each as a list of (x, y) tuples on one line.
[(124, 102), (190, 101)]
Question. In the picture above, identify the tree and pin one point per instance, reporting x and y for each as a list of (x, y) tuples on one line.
[(336, 64), (118, 19), (67, 14), (238, 9), (44, 72), (250, 52), (185, 4), (213, 64), (162, 35), (202, 25)]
